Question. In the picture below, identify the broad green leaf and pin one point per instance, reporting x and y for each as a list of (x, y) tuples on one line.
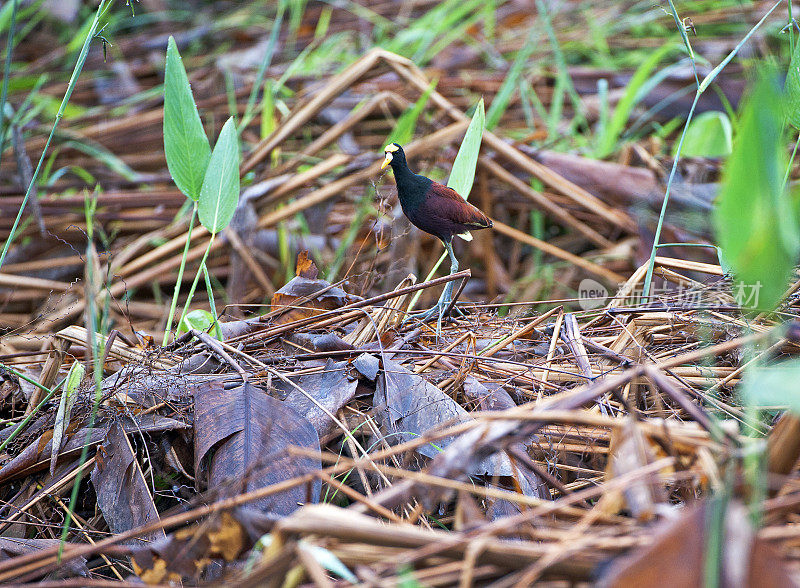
[(753, 217), (774, 386), (709, 135), (407, 123), (186, 145), (792, 88), (463, 174), (220, 192), (198, 319)]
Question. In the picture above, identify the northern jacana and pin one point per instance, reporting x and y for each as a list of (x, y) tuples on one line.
[(435, 209)]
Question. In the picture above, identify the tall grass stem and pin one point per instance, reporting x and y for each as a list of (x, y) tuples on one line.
[(789, 165), (94, 351), (6, 74), (196, 279), (76, 72), (177, 290), (707, 81), (262, 69)]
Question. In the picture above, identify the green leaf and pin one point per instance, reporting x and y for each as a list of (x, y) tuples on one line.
[(329, 561), (5, 16), (79, 36), (74, 376), (220, 192), (709, 135), (106, 157), (753, 217), (198, 319), (463, 174), (406, 578), (186, 145), (268, 120), (407, 123), (68, 398), (774, 386), (792, 88)]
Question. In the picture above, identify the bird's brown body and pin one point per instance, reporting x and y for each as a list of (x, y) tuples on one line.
[(431, 206), (443, 213)]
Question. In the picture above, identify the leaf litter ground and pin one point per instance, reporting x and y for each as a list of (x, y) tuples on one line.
[(324, 441)]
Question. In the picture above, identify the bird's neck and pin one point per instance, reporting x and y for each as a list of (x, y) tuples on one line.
[(411, 188)]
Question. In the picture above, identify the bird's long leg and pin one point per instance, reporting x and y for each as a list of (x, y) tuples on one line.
[(446, 298), (447, 294)]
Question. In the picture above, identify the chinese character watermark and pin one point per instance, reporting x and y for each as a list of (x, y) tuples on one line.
[(746, 295), (592, 295)]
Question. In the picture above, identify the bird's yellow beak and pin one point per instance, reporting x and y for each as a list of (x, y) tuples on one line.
[(387, 161)]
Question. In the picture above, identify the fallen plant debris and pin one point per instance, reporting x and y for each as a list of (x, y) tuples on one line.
[(543, 445), (564, 429)]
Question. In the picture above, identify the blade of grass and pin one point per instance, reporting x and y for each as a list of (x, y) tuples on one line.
[(95, 353), (102, 155), (715, 534), (76, 72), (230, 94), (561, 65), (68, 398), (6, 74), (527, 103), (212, 304), (49, 393), (363, 210), (262, 69), (323, 23), (608, 140), (407, 123), (428, 278), (712, 75)]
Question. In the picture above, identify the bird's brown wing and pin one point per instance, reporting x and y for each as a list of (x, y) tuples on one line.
[(451, 205)]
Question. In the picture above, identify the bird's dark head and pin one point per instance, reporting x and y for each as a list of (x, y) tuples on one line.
[(394, 155)]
